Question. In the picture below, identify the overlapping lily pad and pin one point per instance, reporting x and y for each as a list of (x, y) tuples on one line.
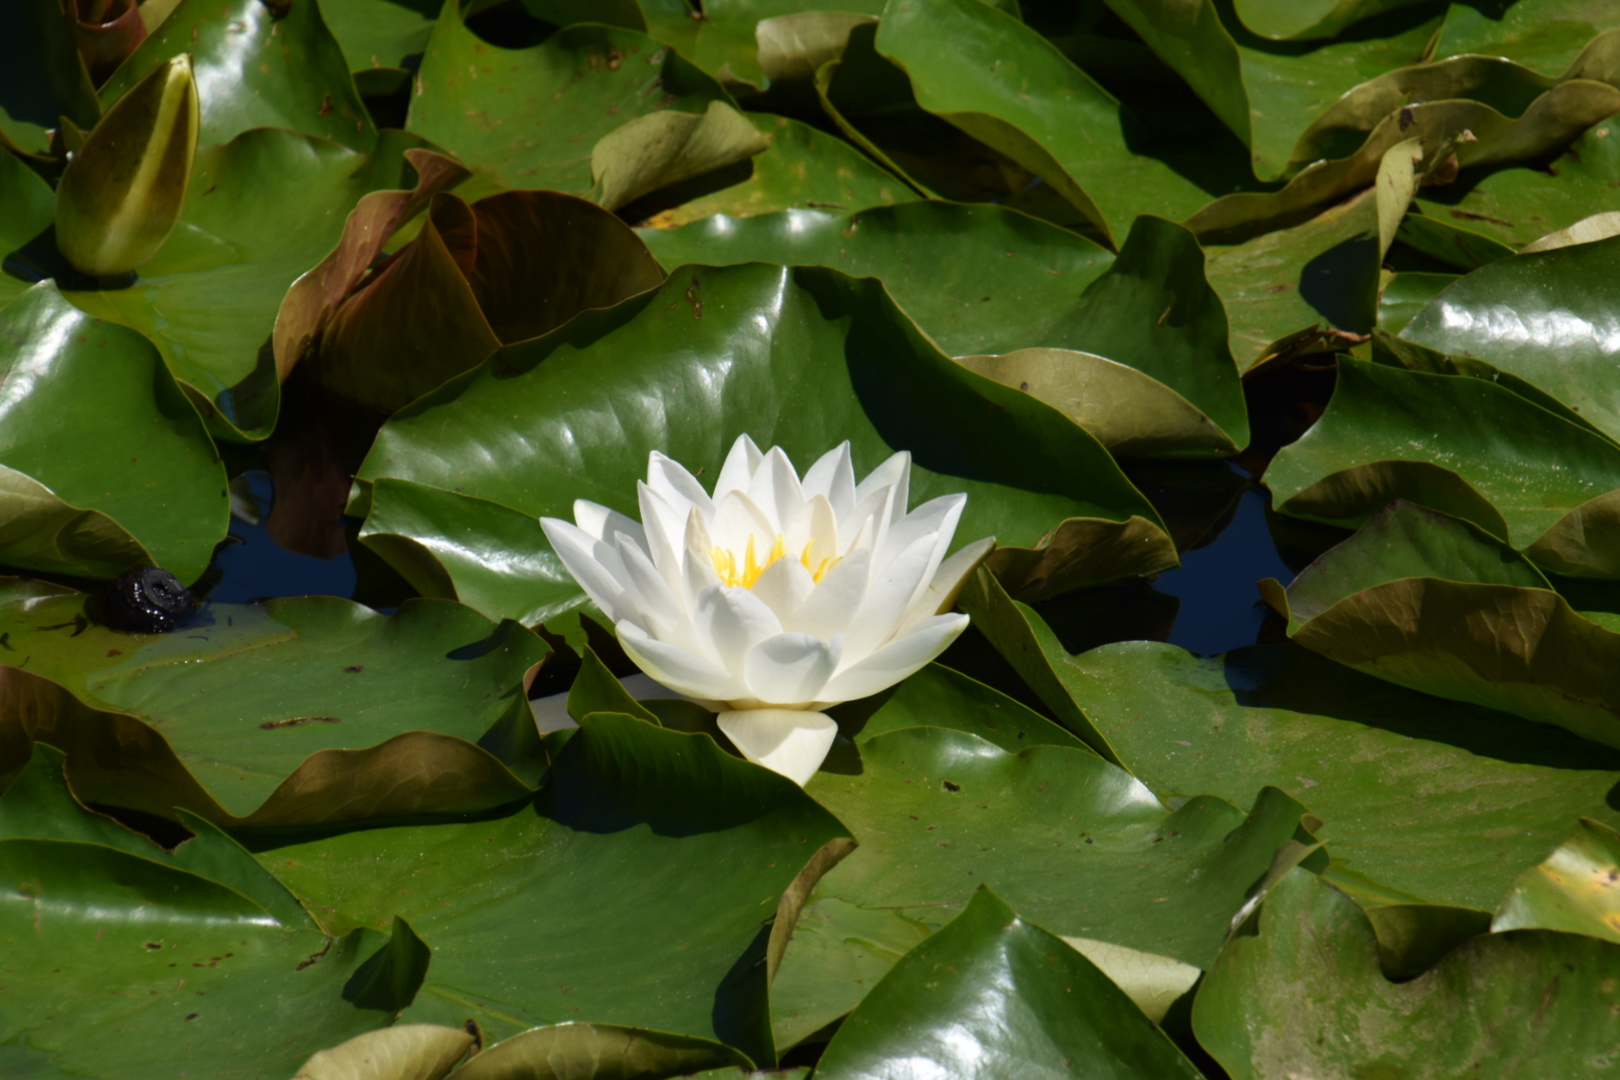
[(1575, 890), (1548, 319), (1313, 957), (1468, 447), (260, 211), (692, 366), (993, 994), (200, 959), (1435, 604), (496, 110), (978, 69), (257, 65), (290, 712), (557, 894), (69, 383)]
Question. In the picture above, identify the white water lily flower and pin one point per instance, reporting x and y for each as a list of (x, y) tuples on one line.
[(774, 598)]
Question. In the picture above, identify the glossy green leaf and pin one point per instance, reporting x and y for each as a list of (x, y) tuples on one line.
[(1575, 890), (803, 168), (96, 423), (940, 812), (1397, 776), (1548, 319), (1474, 132), (730, 42), (1318, 19), (1514, 206), (1506, 1005), (260, 211), (993, 995), (381, 33), (1406, 295), (257, 65), (1268, 93), (302, 711), (1545, 35), (1436, 605), (833, 360), (476, 100), (598, 1052), (1466, 447), (121, 195), (191, 971), (838, 953), (541, 915), (1323, 272), (45, 79), (30, 210), (977, 279), (1007, 87)]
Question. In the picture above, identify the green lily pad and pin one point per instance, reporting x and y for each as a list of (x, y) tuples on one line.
[(30, 209), (1088, 357), (803, 169), (1313, 957), (529, 118), (381, 33), (1406, 295), (834, 359), (257, 65), (108, 467), (1475, 133), (1517, 205), (1575, 890), (335, 712), (402, 1052), (542, 915), (1006, 86), (1544, 35), (1076, 841), (977, 279), (142, 961), (668, 147), (1316, 19), (1548, 319), (1321, 272), (1449, 241), (1434, 604), (1460, 445), (727, 41), (1269, 93), (1435, 799), (992, 994)]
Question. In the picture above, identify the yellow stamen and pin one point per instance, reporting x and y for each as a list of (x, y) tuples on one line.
[(725, 563)]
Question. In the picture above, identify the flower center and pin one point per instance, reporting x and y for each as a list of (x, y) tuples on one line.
[(725, 562)]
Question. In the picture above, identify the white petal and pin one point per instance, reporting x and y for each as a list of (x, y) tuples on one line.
[(735, 520), (665, 527), (674, 667), (791, 669), (601, 523), (775, 490), (583, 557), (896, 473), (730, 622), (830, 609), (784, 587), (788, 741), (896, 660), (934, 516), (833, 475), (679, 487), (891, 592), (739, 468), (697, 564), (947, 584), (815, 524), (662, 613)]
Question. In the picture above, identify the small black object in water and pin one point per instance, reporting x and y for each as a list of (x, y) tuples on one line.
[(146, 601)]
